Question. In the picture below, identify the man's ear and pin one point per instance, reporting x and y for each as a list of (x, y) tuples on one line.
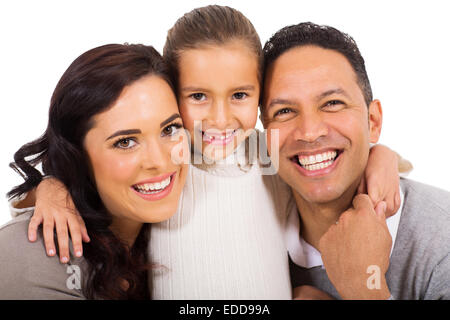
[(375, 120)]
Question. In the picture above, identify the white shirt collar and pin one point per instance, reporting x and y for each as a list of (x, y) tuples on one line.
[(305, 255)]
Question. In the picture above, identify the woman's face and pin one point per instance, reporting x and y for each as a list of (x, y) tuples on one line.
[(130, 149), (218, 95)]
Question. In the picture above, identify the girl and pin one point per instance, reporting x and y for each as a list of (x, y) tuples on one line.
[(226, 240), (106, 95)]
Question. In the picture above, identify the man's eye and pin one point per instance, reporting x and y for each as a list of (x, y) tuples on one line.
[(171, 129), (125, 143), (334, 103), (239, 95), (198, 96), (282, 112)]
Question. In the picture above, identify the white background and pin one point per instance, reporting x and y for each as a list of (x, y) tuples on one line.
[(405, 45)]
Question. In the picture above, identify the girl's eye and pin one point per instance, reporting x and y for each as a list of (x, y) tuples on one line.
[(239, 95), (171, 129), (125, 143), (198, 96)]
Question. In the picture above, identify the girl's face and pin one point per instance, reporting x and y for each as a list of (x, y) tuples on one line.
[(218, 96), (130, 151)]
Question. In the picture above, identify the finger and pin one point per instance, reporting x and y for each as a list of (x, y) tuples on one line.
[(63, 240), (374, 192), (362, 185), (75, 235), (35, 221), (49, 238), (390, 206), (380, 211), (362, 201), (397, 201), (84, 232)]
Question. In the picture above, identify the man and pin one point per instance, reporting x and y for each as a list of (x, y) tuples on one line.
[(317, 94)]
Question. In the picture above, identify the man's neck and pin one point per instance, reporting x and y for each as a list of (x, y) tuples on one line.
[(316, 218)]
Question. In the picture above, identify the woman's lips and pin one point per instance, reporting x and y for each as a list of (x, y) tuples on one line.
[(155, 188)]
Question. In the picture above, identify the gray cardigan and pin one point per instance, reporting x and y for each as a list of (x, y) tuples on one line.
[(26, 272)]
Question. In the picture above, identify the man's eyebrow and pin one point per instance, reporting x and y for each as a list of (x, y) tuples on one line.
[(331, 92), (169, 119), (278, 101), (124, 133)]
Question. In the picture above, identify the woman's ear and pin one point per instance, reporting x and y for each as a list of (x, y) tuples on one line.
[(375, 120)]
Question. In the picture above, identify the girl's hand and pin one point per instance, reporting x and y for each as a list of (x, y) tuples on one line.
[(54, 208), (381, 179)]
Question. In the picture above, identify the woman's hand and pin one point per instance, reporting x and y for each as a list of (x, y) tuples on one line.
[(381, 179), (54, 208)]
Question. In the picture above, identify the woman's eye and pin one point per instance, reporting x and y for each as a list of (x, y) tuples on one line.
[(171, 129), (126, 143), (239, 95), (198, 96)]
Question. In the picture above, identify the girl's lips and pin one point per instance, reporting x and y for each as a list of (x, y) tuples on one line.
[(220, 140), (159, 194)]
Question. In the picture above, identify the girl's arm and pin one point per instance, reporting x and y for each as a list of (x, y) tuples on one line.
[(381, 179)]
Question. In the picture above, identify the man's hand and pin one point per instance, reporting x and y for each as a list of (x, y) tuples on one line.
[(310, 293), (356, 246)]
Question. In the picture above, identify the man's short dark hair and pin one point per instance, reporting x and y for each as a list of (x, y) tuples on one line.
[(326, 37)]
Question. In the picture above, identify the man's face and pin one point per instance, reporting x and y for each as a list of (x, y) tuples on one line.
[(312, 97)]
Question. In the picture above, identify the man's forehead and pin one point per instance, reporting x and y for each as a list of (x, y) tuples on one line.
[(309, 66)]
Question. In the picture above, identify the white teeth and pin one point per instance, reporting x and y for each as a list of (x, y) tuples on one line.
[(318, 166), (221, 137), (317, 158), (149, 188)]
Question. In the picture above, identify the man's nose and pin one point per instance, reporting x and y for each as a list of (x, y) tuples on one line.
[(310, 127)]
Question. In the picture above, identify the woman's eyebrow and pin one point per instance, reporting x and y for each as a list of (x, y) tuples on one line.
[(169, 119), (123, 133)]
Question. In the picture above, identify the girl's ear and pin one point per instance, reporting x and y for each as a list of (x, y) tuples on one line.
[(375, 120)]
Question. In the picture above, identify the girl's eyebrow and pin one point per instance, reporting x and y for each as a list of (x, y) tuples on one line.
[(245, 88), (190, 89), (240, 88)]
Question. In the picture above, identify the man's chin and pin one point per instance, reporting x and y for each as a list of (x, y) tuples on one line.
[(319, 195)]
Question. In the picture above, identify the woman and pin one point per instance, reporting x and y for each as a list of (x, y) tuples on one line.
[(113, 127)]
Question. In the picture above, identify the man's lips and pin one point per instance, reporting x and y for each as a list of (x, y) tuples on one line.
[(317, 162)]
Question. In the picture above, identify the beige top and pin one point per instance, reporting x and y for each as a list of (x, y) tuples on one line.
[(27, 273), (226, 240)]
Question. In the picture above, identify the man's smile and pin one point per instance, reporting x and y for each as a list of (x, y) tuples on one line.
[(316, 163)]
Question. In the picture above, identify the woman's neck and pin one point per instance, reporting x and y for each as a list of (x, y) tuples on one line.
[(126, 230)]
